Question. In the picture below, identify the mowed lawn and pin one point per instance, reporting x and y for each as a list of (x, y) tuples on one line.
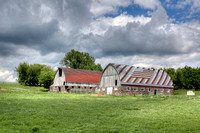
[(31, 109)]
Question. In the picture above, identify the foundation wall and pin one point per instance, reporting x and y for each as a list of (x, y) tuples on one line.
[(130, 90)]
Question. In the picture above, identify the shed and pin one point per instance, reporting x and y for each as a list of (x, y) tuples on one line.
[(119, 79), (75, 80)]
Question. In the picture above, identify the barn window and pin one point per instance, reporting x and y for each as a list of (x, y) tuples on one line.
[(149, 89), (60, 72), (64, 83), (90, 87), (79, 87), (85, 87), (142, 89), (168, 91), (128, 88), (66, 87), (135, 89), (72, 86), (115, 82), (59, 89)]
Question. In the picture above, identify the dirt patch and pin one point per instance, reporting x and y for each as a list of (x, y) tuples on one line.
[(98, 95), (2, 89)]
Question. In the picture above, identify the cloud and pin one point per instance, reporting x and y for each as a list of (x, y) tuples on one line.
[(150, 4), (7, 76), (102, 7), (126, 36)]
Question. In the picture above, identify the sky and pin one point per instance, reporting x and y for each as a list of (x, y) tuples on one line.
[(146, 33)]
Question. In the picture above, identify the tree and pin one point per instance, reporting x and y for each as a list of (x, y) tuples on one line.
[(33, 74), (22, 72), (80, 60), (46, 76)]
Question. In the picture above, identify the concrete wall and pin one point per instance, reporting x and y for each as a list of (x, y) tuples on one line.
[(75, 87), (131, 90), (108, 78)]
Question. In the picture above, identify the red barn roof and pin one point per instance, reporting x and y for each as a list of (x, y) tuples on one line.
[(82, 76)]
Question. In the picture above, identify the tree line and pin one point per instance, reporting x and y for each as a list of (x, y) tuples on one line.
[(185, 78), (37, 74)]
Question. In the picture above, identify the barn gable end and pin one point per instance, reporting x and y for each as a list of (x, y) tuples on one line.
[(110, 77)]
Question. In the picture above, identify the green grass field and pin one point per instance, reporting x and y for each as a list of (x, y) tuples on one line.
[(32, 109)]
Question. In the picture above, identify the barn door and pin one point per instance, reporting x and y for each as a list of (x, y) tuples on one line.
[(109, 90), (155, 92)]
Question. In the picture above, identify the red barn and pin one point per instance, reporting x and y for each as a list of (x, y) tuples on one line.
[(75, 80)]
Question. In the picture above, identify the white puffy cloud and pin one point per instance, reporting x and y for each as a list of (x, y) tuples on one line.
[(7, 76), (101, 7)]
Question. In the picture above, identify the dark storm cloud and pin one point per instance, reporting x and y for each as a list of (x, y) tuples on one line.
[(43, 25), (28, 34)]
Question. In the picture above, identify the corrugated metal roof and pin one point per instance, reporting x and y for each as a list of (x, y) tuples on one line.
[(132, 75), (82, 76)]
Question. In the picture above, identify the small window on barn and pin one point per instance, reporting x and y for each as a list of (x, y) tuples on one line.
[(66, 87), (85, 87), (135, 89), (79, 87), (90, 87), (72, 86), (64, 83), (142, 89), (115, 82), (168, 91), (60, 72), (149, 89), (128, 88)]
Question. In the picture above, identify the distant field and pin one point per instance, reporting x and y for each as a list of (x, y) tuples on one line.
[(32, 109)]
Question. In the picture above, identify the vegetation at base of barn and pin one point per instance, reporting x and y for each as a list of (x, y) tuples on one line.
[(185, 78), (30, 109), (35, 74), (80, 60)]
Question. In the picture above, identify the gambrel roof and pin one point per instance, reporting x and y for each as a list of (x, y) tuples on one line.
[(82, 76), (132, 75)]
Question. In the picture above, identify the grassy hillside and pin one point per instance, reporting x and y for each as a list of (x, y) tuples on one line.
[(31, 109)]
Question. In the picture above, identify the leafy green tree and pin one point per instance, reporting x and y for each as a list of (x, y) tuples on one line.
[(33, 74), (80, 60), (46, 76), (22, 72), (196, 78)]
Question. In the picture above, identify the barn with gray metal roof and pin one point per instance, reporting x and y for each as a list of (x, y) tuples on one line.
[(119, 79)]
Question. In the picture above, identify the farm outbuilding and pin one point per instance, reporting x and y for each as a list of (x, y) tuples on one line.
[(75, 80), (118, 79)]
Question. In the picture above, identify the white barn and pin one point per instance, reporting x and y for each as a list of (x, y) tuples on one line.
[(118, 79)]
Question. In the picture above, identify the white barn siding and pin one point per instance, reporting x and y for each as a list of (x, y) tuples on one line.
[(108, 78), (58, 81)]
